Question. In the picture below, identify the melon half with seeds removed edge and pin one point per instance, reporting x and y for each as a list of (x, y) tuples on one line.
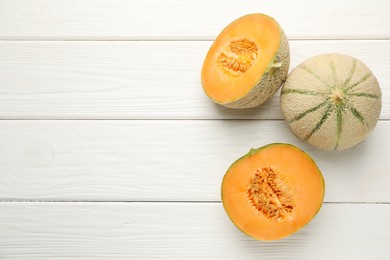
[(273, 191), (332, 101), (247, 62)]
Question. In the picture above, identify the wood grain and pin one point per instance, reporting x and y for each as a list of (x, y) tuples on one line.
[(176, 19), (83, 160), (182, 230), (139, 80), (142, 181)]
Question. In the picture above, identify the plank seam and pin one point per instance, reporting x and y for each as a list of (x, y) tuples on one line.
[(175, 39), (167, 201), (151, 119)]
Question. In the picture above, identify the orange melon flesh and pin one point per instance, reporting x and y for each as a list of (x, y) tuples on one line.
[(295, 170), (262, 31)]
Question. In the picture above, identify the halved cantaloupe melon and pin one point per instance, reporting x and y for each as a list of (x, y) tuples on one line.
[(273, 191), (332, 101), (247, 62)]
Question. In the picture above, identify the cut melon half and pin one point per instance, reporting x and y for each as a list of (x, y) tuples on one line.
[(247, 62), (272, 191)]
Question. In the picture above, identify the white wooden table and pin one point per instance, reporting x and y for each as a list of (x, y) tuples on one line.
[(110, 149)]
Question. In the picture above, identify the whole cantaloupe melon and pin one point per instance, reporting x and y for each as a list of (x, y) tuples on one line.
[(247, 62), (332, 101)]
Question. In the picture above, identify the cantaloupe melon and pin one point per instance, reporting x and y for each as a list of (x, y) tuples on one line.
[(272, 191), (247, 62), (331, 101)]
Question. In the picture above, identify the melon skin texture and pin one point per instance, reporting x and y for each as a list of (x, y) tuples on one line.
[(331, 101), (261, 76), (273, 191)]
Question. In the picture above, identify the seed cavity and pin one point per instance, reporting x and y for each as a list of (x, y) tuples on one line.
[(238, 57), (271, 194)]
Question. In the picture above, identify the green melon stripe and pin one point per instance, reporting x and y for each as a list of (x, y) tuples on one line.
[(303, 114), (357, 114), (339, 124), (302, 91), (314, 75), (367, 76), (321, 122), (332, 67), (364, 95), (350, 74)]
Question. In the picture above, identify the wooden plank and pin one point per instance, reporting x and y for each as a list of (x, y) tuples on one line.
[(175, 19), (139, 80), (82, 160), (183, 230)]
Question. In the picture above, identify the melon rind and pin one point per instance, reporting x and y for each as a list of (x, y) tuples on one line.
[(308, 101)]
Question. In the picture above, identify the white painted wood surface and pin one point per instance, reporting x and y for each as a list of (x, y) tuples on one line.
[(166, 160), (140, 80), (183, 231), (141, 179), (190, 19)]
